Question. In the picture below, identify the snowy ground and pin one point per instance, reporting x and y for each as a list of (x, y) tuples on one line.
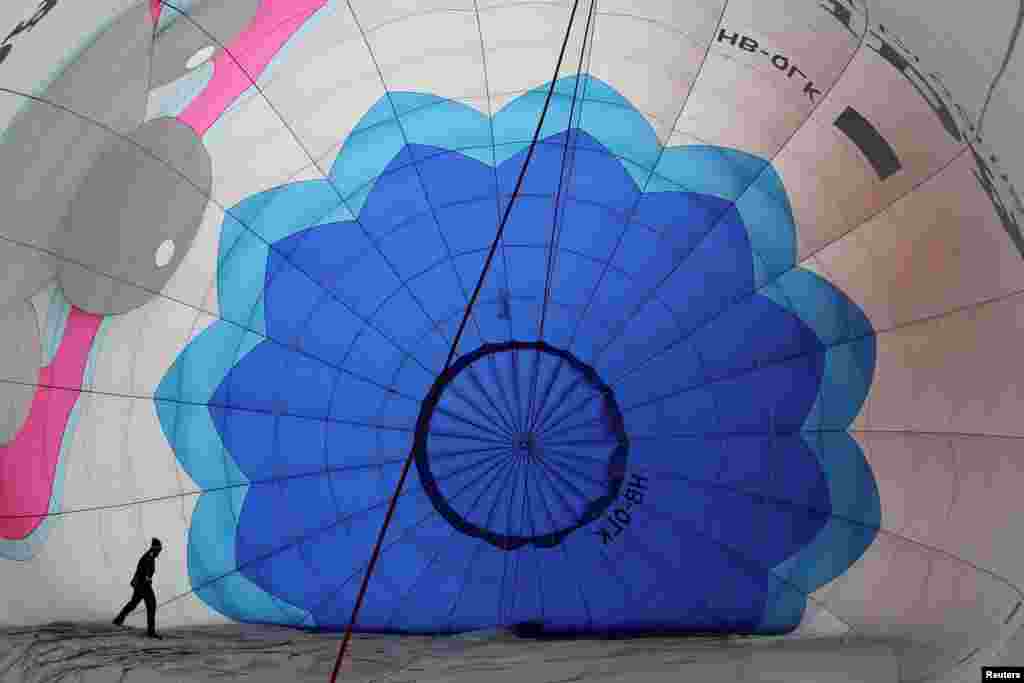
[(102, 653)]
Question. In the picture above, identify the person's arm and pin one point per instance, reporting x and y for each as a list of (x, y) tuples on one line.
[(142, 570), (137, 573)]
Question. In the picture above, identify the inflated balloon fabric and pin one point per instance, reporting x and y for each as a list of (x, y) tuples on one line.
[(677, 317)]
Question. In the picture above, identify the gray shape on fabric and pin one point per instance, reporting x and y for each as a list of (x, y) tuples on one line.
[(21, 355), (132, 201), (207, 24), (52, 142)]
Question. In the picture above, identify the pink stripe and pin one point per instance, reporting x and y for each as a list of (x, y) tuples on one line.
[(275, 22), (154, 10), (28, 463)]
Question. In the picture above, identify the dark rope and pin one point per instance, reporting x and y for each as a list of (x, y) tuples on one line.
[(454, 348)]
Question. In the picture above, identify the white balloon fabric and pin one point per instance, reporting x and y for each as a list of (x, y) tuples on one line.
[(712, 328)]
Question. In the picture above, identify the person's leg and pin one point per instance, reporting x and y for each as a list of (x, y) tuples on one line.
[(150, 599), (132, 604)]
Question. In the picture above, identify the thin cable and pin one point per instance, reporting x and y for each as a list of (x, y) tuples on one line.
[(494, 159), (454, 347), (586, 50), (566, 163), (1014, 34)]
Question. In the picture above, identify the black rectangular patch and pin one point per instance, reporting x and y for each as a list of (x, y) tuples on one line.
[(870, 142)]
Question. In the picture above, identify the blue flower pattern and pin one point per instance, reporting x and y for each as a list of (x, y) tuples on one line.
[(735, 374)]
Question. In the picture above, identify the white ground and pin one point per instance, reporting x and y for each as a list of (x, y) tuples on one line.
[(101, 653)]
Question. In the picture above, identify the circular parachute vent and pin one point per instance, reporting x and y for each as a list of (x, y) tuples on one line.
[(571, 460)]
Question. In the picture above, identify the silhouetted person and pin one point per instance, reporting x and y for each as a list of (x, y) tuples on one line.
[(142, 583)]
